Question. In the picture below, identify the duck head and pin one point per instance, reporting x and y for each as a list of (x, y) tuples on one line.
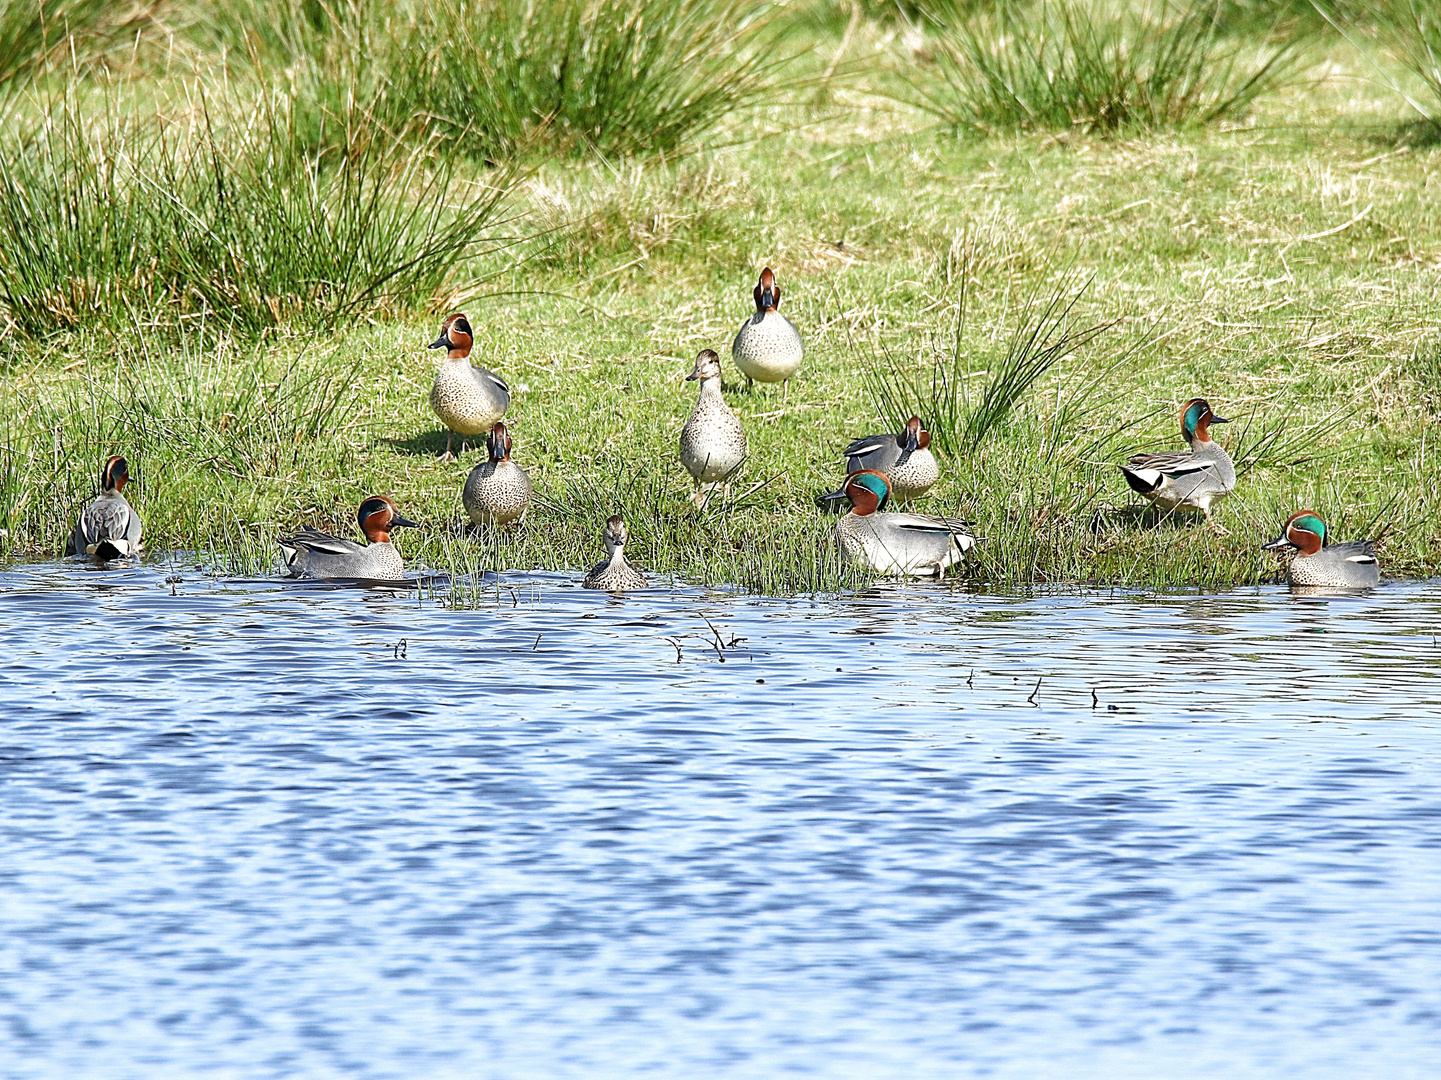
[(1196, 418), (768, 293), (378, 515), (498, 442), (707, 366), (614, 535), (115, 474), (913, 438), (867, 490), (1304, 533), (455, 337)]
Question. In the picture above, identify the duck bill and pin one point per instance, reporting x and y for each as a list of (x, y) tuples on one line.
[(1219, 420), (398, 520), (442, 342), (830, 497), (1278, 544)]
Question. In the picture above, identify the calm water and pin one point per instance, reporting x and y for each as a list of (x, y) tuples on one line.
[(245, 832)]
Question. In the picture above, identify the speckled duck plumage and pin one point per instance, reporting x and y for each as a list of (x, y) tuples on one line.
[(311, 553), (469, 400), (614, 574), (768, 347), (912, 545), (712, 443), (497, 491), (1185, 479), (905, 458), (109, 527), (1349, 565)]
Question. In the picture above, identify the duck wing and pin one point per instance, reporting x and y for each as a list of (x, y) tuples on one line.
[(1173, 463), (1356, 551), (878, 452), (491, 380), (927, 523), (321, 543), (106, 519)]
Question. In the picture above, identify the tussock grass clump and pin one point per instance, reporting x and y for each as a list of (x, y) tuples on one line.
[(618, 77), (1058, 64), (1408, 34), (120, 219)]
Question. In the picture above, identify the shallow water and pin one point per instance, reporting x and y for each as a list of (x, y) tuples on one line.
[(267, 830)]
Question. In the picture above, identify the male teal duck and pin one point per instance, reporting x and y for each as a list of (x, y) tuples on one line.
[(497, 491), (1351, 565), (614, 574), (904, 458), (468, 400), (109, 527), (1185, 480), (311, 553), (768, 347), (712, 443), (914, 545)]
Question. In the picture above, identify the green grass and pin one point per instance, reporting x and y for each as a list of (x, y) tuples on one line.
[(1059, 64), (1281, 264)]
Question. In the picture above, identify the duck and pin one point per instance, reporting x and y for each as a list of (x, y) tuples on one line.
[(912, 545), (1181, 479), (497, 491), (712, 443), (614, 574), (768, 347), (311, 553), (468, 400), (1351, 565), (905, 458), (109, 527)]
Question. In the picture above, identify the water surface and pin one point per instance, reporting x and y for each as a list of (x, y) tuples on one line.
[(253, 829)]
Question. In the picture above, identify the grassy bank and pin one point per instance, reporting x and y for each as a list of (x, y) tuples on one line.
[(1281, 262)]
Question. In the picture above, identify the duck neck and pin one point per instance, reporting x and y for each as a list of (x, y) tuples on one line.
[(710, 387)]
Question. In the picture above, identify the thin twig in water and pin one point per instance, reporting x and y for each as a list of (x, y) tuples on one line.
[(1032, 699), (537, 643), (676, 643)]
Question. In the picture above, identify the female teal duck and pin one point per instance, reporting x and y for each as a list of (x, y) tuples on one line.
[(916, 545), (109, 528), (614, 574), (467, 399), (497, 491), (905, 458), (768, 347), (1185, 480), (311, 553), (712, 442), (1351, 565)]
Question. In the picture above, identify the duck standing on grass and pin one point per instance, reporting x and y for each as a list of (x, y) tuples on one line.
[(905, 458), (468, 400), (497, 491), (109, 527), (311, 553), (768, 347), (914, 545), (712, 443), (1185, 479), (1351, 565), (614, 574)]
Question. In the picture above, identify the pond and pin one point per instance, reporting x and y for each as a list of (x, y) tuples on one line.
[(257, 829)]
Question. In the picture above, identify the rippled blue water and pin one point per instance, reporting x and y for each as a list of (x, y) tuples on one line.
[(244, 832)]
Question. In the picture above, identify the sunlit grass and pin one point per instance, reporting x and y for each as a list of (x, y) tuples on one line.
[(1059, 64)]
